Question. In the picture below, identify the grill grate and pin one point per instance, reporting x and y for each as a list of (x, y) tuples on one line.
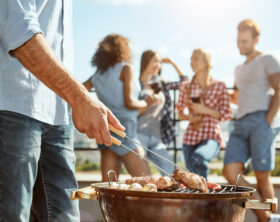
[(225, 189)]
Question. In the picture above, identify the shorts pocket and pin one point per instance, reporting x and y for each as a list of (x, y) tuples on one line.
[(266, 123)]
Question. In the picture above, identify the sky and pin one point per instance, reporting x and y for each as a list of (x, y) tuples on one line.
[(174, 28)]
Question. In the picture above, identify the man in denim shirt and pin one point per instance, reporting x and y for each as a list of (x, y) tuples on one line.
[(36, 134)]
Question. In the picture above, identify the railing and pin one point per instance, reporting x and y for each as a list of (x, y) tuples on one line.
[(175, 147)]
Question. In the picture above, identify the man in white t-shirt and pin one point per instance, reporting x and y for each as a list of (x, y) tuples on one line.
[(258, 100)]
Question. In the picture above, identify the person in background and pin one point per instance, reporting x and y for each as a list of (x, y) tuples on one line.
[(155, 125), (258, 100), (208, 104), (117, 88), (37, 159)]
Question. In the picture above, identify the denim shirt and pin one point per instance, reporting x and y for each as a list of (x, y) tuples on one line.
[(20, 90)]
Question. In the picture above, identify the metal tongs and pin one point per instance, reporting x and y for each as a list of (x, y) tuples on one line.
[(119, 143)]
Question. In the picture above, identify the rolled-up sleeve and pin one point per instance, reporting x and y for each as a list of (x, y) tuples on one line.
[(18, 22)]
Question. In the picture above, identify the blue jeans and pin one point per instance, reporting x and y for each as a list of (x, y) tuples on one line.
[(37, 170), (197, 157), (157, 146)]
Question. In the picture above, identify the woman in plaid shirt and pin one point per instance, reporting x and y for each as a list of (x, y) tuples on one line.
[(208, 103)]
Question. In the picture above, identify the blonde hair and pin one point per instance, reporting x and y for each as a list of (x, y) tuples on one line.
[(205, 55), (207, 58), (251, 25)]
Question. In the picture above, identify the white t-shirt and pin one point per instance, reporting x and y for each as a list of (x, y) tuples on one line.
[(253, 85)]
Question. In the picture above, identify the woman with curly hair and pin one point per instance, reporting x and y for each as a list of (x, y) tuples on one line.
[(116, 87), (208, 103)]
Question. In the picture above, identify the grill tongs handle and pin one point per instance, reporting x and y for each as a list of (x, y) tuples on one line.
[(84, 193), (118, 132), (268, 204)]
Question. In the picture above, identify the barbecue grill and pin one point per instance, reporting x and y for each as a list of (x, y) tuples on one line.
[(228, 204), (182, 205)]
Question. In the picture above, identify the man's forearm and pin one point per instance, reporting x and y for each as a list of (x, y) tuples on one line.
[(38, 58), (273, 107)]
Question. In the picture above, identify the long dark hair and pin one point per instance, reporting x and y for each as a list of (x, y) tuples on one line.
[(112, 49), (145, 59)]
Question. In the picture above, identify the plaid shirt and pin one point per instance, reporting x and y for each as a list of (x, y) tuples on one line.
[(216, 98), (167, 124)]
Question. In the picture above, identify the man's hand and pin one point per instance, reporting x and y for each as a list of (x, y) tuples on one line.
[(92, 117)]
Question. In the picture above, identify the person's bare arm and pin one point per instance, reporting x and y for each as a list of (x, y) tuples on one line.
[(183, 117), (89, 116), (130, 101), (168, 60), (151, 100), (234, 96), (274, 105), (142, 110), (88, 84), (202, 109)]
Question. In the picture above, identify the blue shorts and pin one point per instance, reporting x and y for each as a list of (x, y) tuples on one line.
[(131, 131), (252, 138)]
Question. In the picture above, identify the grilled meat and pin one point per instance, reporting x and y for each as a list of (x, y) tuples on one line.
[(150, 187), (141, 180), (214, 186), (165, 183), (162, 183), (135, 186), (190, 180)]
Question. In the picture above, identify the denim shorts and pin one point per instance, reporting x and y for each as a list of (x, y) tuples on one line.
[(131, 131), (252, 138)]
